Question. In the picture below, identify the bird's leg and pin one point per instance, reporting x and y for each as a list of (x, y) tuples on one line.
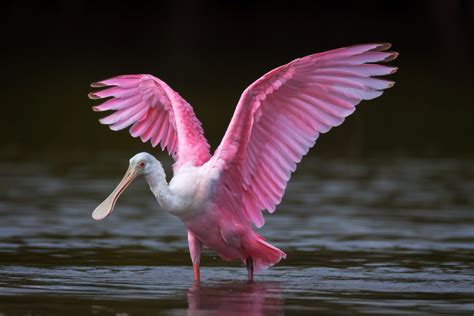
[(249, 264), (195, 247), (197, 273)]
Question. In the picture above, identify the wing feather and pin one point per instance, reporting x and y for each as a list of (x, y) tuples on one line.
[(155, 113), (279, 118)]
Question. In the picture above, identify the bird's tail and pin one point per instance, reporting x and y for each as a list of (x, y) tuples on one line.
[(263, 254)]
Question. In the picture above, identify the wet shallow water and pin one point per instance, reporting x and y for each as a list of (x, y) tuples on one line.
[(382, 236)]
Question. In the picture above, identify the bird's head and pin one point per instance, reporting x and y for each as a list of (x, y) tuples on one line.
[(140, 164)]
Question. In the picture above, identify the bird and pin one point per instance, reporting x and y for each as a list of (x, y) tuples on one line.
[(278, 118)]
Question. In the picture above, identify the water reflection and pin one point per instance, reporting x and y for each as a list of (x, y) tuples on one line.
[(234, 299)]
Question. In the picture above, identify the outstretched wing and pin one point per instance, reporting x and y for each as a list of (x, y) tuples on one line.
[(280, 116), (155, 113)]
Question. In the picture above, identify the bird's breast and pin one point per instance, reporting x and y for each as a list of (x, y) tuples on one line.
[(192, 188)]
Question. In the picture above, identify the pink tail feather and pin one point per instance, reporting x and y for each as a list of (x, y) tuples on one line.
[(264, 255)]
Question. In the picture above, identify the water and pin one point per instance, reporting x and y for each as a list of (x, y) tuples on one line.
[(382, 236)]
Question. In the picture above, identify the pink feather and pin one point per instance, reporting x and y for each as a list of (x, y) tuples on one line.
[(157, 113), (312, 95)]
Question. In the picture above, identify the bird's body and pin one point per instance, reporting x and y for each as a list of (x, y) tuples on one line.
[(188, 196), (278, 119)]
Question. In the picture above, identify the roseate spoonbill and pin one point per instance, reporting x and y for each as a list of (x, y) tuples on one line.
[(277, 120)]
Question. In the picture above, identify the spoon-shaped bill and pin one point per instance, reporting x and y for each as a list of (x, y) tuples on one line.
[(106, 207)]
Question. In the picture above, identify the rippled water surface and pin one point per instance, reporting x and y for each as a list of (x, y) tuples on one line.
[(381, 236)]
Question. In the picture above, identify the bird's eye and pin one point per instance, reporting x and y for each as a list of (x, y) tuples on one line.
[(141, 164)]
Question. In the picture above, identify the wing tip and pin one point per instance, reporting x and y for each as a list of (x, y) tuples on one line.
[(383, 47), (98, 84), (93, 96), (116, 127), (380, 47), (391, 56)]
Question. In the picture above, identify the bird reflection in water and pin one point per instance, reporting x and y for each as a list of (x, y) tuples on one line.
[(249, 299)]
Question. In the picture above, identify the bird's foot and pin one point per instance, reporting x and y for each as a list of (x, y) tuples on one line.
[(249, 265)]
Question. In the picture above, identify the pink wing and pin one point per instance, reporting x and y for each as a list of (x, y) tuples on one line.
[(156, 113), (280, 116)]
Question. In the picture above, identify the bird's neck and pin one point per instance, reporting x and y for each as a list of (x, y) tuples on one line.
[(156, 179)]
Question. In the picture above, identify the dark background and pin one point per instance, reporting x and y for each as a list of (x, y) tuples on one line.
[(209, 51)]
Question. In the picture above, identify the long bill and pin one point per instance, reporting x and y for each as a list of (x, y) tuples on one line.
[(106, 207)]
